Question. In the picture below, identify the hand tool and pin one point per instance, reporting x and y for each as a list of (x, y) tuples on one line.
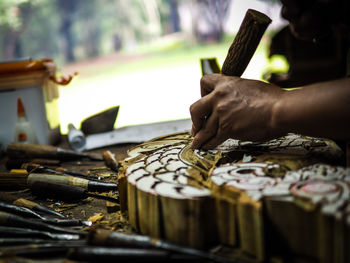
[(89, 185), (41, 250), (13, 181), (26, 212), (65, 192), (24, 150), (8, 219), (209, 66), (245, 43), (105, 254), (13, 241), (118, 239), (20, 180), (31, 205), (17, 163), (33, 167), (6, 231), (242, 48), (110, 160)]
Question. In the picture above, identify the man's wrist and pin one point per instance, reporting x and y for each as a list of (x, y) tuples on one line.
[(279, 119)]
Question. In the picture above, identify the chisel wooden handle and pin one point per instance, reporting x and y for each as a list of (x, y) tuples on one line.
[(245, 43), (23, 150), (18, 150)]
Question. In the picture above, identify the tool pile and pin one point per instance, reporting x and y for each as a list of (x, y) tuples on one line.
[(31, 230)]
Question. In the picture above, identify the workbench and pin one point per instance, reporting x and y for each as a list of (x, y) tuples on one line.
[(102, 216), (87, 208)]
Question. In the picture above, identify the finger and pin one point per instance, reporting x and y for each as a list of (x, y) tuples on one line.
[(219, 138), (213, 142), (207, 132), (208, 83), (200, 110), (193, 131)]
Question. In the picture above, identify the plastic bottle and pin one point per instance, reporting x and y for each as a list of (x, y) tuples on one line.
[(24, 131)]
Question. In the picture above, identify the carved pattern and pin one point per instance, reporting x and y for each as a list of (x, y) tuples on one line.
[(168, 184)]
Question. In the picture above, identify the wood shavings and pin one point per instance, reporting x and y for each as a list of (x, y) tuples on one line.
[(63, 207), (115, 221), (96, 217)]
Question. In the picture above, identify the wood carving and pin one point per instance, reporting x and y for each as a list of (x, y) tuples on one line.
[(275, 198)]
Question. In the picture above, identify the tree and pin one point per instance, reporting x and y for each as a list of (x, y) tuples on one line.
[(14, 18), (174, 15), (67, 10), (214, 13)]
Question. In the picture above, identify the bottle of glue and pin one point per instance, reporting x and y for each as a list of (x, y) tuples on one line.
[(24, 131)]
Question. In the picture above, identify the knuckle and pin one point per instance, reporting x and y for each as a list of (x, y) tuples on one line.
[(220, 92), (204, 81), (221, 108), (192, 109)]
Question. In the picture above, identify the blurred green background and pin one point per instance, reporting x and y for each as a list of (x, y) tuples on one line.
[(140, 54)]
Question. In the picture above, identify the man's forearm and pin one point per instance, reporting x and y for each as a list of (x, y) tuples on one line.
[(321, 110)]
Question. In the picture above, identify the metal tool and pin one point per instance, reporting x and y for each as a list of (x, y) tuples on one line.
[(7, 231), (107, 254), (89, 185), (65, 192), (37, 168), (117, 239), (26, 212), (8, 219), (110, 160), (22, 181)]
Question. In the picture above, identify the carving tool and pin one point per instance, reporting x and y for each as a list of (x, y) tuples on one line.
[(8, 219), (13, 241), (6, 231), (105, 254), (13, 181), (209, 66), (33, 167), (245, 43), (112, 238), (23, 180), (17, 163), (36, 207), (65, 192), (23, 150), (26, 212), (110, 160), (41, 250), (89, 185), (242, 48), (9, 198)]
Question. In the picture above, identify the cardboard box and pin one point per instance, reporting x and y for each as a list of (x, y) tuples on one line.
[(31, 81)]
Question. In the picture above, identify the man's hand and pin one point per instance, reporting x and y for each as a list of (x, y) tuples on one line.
[(233, 107)]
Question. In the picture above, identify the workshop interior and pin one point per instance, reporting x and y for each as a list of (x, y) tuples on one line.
[(97, 162)]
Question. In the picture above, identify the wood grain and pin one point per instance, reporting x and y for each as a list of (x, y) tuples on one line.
[(245, 43)]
